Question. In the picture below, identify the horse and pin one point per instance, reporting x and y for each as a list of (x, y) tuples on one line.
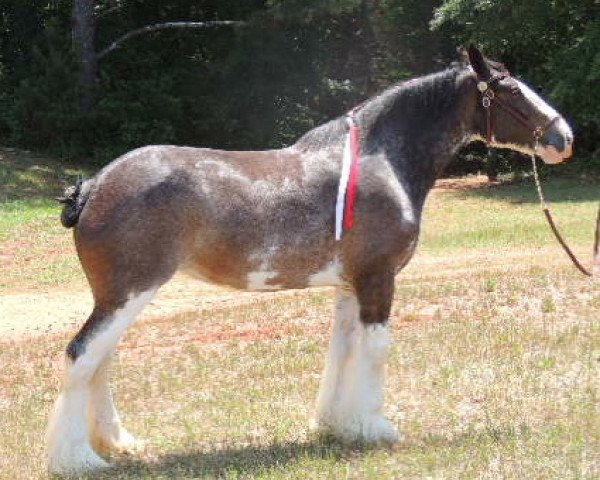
[(265, 220)]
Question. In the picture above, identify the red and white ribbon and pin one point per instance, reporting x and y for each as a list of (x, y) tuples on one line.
[(344, 205)]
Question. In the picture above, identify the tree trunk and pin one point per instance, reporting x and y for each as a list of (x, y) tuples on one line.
[(83, 34), (492, 164), (596, 266), (372, 45)]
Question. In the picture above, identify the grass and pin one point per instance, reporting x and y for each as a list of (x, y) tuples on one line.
[(494, 372), (35, 251), (509, 216), (496, 386)]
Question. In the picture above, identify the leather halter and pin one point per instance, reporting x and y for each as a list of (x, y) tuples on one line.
[(489, 98)]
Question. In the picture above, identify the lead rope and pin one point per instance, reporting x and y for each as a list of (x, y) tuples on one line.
[(548, 215)]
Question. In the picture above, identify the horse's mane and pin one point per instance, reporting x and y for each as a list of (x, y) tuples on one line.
[(432, 95)]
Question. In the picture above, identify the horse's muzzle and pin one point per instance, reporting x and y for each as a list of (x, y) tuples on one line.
[(556, 143)]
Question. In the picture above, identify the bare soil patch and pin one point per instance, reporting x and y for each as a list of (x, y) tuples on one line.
[(37, 313), (30, 313), (471, 182)]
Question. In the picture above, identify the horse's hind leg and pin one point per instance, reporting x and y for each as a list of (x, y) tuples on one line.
[(69, 448), (105, 428)]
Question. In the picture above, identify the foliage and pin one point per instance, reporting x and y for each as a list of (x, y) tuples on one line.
[(292, 66), (44, 112), (555, 45)]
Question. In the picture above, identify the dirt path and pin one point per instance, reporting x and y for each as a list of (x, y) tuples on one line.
[(34, 313), (31, 313)]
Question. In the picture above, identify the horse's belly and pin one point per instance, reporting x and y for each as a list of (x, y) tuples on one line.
[(256, 272), (302, 276)]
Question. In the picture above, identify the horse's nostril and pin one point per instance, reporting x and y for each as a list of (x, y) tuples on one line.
[(555, 139)]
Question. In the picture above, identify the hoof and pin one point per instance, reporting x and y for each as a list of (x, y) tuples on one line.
[(73, 460), (116, 439), (369, 429), (378, 429)]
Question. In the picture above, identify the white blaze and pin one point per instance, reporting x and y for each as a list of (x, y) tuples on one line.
[(548, 153), (536, 100)]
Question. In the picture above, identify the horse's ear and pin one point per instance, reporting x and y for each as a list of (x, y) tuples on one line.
[(478, 62)]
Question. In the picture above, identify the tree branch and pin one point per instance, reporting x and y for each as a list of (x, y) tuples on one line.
[(163, 26), (596, 265)]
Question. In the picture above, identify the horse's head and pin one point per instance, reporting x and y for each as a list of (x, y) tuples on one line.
[(511, 115)]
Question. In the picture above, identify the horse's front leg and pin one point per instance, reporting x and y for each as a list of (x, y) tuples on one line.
[(344, 330), (351, 394)]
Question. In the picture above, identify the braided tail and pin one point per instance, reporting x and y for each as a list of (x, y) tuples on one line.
[(74, 200), (597, 246)]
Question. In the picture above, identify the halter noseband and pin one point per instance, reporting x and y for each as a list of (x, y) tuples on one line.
[(488, 96)]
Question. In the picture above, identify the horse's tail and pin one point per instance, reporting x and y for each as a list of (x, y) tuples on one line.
[(74, 199)]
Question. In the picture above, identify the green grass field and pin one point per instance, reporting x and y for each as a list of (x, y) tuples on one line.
[(35, 251), (494, 373)]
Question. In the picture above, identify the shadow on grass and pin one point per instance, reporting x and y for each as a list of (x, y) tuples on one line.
[(256, 459), (244, 460), (24, 175), (556, 190)]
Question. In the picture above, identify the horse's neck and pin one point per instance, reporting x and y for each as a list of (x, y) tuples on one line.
[(417, 126), (420, 138)]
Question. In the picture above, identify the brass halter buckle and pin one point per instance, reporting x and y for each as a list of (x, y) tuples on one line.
[(487, 94), (486, 99)]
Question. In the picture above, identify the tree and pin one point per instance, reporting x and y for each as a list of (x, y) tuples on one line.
[(84, 35), (293, 65), (555, 45)]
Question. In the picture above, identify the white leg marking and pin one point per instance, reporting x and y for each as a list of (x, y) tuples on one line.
[(69, 449), (106, 431), (351, 396), (344, 328)]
